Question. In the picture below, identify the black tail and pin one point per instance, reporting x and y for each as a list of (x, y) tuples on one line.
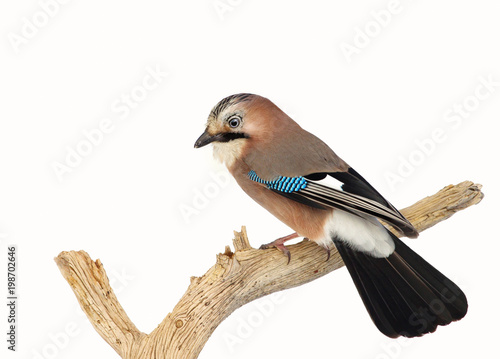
[(403, 293)]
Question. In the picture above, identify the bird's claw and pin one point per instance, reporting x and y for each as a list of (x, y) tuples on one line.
[(279, 244), (327, 254)]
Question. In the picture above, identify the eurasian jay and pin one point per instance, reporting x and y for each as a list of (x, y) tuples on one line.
[(281, 166)]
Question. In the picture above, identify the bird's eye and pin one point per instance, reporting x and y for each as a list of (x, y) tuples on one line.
[(234, 122)]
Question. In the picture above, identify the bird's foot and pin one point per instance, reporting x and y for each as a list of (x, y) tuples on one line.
[(279, 244)]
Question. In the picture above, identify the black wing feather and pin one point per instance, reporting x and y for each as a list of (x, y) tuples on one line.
[(353, 203), (358, 197), (354, 183), (365, 199)]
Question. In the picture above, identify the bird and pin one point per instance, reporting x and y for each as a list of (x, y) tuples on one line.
[(285, 169)]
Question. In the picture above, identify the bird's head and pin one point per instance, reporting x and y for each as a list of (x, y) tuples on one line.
[(231, 125), (227, 120)]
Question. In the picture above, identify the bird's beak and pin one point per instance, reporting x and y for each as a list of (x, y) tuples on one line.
[(204, 140)]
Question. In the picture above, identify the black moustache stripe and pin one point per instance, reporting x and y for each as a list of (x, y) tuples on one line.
[(229, 136)]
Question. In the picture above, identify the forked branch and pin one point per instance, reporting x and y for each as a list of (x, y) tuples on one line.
[(236, 279)]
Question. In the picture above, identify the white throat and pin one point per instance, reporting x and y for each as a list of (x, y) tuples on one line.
[(228, 152)]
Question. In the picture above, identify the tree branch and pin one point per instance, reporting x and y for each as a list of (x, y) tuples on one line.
[(236, 279)]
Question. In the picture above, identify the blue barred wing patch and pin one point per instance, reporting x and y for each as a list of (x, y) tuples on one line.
[(282, 184)]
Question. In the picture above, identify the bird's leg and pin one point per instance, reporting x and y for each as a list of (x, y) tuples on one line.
[(279, 243)]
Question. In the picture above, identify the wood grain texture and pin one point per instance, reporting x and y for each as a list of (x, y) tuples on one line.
[(237, 278)]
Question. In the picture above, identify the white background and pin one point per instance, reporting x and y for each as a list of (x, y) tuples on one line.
[(122, 203)]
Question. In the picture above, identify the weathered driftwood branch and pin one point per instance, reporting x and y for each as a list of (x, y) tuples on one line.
[(236, 279)]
